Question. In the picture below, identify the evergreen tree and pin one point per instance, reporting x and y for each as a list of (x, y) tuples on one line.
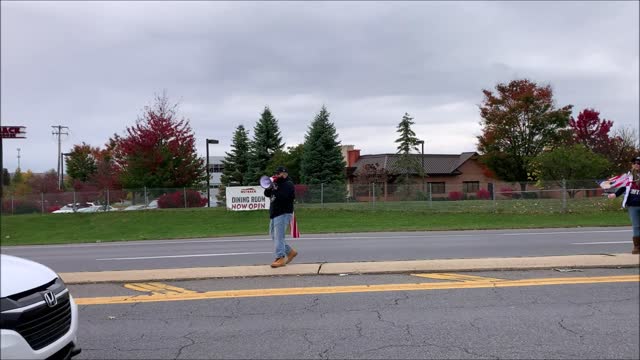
[(6, 178), (266, 142), (81, 164), (235, 163), (17, 178), (407, 162), (322, 161), (291, 159)]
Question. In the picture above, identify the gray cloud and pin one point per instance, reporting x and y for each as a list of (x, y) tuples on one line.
[(93, 66)]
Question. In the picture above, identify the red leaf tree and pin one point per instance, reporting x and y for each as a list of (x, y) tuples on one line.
[(590, 131), (159, 151)]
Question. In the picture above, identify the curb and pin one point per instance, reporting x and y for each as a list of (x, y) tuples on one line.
[(373, 267)]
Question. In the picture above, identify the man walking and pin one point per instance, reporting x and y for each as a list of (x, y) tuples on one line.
[(282, 194)]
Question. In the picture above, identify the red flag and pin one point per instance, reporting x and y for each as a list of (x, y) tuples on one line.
[(295, 233)]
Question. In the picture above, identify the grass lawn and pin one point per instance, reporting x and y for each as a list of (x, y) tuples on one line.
[(216, 222)]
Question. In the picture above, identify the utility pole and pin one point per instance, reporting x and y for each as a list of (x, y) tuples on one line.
[(58, 131), (18, 158)]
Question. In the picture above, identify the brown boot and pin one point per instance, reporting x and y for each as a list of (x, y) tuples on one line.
[(293, 253), (279, 262), (636, 245)]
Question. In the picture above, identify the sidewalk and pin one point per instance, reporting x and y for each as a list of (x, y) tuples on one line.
[(377, 267)]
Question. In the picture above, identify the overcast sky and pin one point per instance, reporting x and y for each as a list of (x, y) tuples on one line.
[(93, 66)]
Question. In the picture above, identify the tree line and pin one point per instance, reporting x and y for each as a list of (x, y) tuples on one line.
[(525, 137)]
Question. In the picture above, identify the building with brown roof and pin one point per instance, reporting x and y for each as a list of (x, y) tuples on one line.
[(444, 174)]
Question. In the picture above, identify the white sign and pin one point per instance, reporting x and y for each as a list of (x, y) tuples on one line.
[(244, 198)]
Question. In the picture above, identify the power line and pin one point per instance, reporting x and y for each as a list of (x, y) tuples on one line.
[(58, 131), (18, 158)]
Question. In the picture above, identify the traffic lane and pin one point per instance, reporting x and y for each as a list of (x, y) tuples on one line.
[(328, 248), (572, 321)]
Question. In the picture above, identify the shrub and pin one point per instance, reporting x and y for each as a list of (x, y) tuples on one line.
[(455, 195), (20, 207), (483, 194), (177, 199), (301, 190)]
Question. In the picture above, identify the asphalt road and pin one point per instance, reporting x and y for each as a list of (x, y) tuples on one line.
[(328, 248), (574, 321)]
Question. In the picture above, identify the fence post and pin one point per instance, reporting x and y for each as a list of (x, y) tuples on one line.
[(430, 197), (184, 192), (564, 195), (74, 198), (373, 193), (12, 211), (493, 197), (42, 201), (146, 199), (322, 194), (107, 199)]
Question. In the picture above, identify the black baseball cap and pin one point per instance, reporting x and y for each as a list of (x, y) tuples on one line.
[(281, 169)]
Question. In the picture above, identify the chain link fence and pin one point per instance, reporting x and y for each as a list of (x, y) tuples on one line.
[(559, 197), (105, 200)]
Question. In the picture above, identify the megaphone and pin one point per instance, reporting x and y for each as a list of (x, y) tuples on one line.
[(266, 181)]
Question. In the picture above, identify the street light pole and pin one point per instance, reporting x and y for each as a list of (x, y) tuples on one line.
[(209, 141)]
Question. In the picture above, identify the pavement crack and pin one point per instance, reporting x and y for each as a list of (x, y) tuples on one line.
[(359, 328), (397, 300), (305, 336), (324, 353), (186, 346), (462, 348), (313, 304), (560, 323), (320, 267), (473, 325)]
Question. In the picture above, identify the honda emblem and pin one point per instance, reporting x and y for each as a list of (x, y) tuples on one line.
[(50, 298)]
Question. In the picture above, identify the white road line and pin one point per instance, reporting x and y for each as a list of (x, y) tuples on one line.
[(602, 242), (183, 256), (564, 232), (379, 237)]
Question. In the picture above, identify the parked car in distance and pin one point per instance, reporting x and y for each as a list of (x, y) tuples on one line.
[(38, 316), (97, 208), (152, 205), (70, 208), (134, 207)]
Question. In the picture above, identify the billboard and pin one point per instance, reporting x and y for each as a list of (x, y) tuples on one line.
[(246, 198), (13, 132)]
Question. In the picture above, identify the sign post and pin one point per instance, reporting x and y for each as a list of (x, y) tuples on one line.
[(9, 132)]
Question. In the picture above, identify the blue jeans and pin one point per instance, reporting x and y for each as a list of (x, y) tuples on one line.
[(277, 227), (634, 214)]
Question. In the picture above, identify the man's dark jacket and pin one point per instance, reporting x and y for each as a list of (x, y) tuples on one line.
[(281, 197)]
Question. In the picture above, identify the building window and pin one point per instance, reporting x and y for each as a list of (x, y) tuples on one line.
[(216, 168), (470, 186), (437, 187)]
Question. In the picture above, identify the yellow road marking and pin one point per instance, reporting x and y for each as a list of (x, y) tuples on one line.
[(456, 277), (226, 294), (157, 288)]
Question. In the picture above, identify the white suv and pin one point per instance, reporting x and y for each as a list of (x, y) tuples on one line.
[(38, 316)]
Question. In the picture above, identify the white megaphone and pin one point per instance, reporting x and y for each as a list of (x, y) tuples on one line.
[(266, 181)]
